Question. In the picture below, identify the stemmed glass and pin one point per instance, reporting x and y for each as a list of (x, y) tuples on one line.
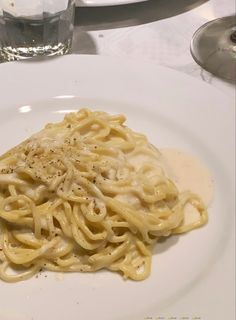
[(213, 47)]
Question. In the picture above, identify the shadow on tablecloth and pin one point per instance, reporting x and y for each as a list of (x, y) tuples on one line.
[(83, 43)]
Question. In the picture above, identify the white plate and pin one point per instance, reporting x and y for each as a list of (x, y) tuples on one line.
[(100, 3), (192, 275)]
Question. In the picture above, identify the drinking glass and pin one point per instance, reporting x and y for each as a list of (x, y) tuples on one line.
[(214, 47), (31, 28)]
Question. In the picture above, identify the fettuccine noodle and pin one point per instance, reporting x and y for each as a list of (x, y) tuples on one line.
[(85, 194)]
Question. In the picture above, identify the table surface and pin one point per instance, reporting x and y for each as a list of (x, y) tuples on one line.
[(158, 31)]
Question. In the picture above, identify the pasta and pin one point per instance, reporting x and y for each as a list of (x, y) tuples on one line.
[(85, 194)]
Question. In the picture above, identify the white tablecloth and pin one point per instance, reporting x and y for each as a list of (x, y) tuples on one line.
[(158, 31)]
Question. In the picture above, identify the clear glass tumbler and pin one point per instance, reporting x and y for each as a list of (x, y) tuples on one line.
[(30, 28)]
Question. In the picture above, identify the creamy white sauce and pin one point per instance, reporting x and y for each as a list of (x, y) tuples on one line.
[(188, 173), (50, 137), (139, 159)]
